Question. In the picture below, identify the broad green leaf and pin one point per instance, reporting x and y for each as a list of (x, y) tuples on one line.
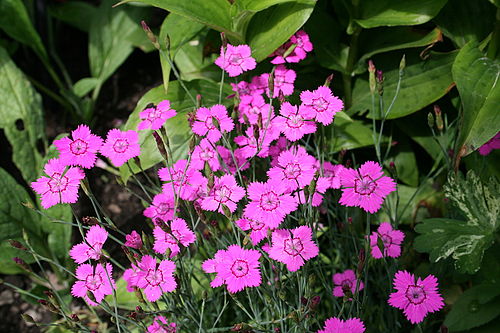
[(258, 5), (272, 27), (124, 299), (459, 20), (475, 307), (423, 82), (375, 41), (17, 24), (346, 133), (484, 166), (177, 128), (109, 33), (214, 13), (416, 127), (85, 85), (476, 77), (405, 162), (78, 14), (20, 117), (403, 12), (464, 241)]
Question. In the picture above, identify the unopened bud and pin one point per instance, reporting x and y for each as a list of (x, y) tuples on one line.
[(223, 39), (371, 77), (160, 145), (28, 319), (439, 118), (198, 101), (74, 317), (430, 120), (226, 211), (380, 82), (137, 162), (270, 83), (89, 220), (17, 245), (21, 263), (402, 64), (314, 302), (328, 80), (150, 34)]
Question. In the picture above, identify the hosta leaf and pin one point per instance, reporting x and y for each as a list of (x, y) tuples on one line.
[(477, 79), (20, 117), (177, 128), (403, 12), (347, 133), (75, 13)]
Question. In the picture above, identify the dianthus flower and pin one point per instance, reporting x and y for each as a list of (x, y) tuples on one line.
[(292, 123), (224, 192), (242, 88), (95, 280), (391, 240), (336, 325), (120, 146), (296, 168), (253, 106), (81, 150), (213, 266), (415, 298), (162, 207), (283, 81), (276, 149), (204, 152), (133, 240), (155, 116), (293, 247), (366, 187), (236, 267), (303, 46), (91, 248), (320, 104), (236, 59), (61, 185), (185, 181), (269, 203), (258, 229), (130, 276), (493, 143), (179, 233), (161, 325), (204, 126), (259, 84), (250, 146), (332, 173), (155, 279), (346, 283), (241, 161)]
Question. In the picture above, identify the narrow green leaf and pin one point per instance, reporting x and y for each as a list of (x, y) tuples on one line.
[(477, 77), (78, 14), (85, 85), (20, 117)]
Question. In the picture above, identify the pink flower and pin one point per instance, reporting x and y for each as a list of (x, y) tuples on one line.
[(133, 240), (236, 267), (346, 282), (295, 168), (253, 106), (259, 84), (391, 239), (61, 185), (336, 325), (185, 181), (250, 146), (236, 59), (258, 229), (316, 198), (292, 123), (366, 187), (120, 146), (204, 126), (130, 276), (276, 149), (161, 325), (242, 88), (155, 116), (303, 46), (91, 248), (95, 280), (225, 154), (283, 81), (320, 104), (225, 192), (179, 233), (493, 143), (332, 173), (81, 150), (269, 203), (204, 152), (416, 299), (162, 207), (293, 247), (155, 279)]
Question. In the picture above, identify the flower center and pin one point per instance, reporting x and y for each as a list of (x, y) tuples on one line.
[(209, 124), (235, 59), (154, 114), (222, 194), (78, 147), (386, 239), (93, 282), (346, 284), (163, 208), (256, 225), (94, 251), (364, 185), (239, 268), (320, 104), (206, 154), (279, 80), (295, 121), (415, 294), (120, 145), (58, 183), (154, 277), (292, 170), (293, 246), (269, 201)]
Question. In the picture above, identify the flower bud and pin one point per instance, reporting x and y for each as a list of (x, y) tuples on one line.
[(21, 263), (439, 118), (160, 145), (74, 317), (328, 80), (371, 76), (17, 245), (150, 34), (89, 220), (28, 319)]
